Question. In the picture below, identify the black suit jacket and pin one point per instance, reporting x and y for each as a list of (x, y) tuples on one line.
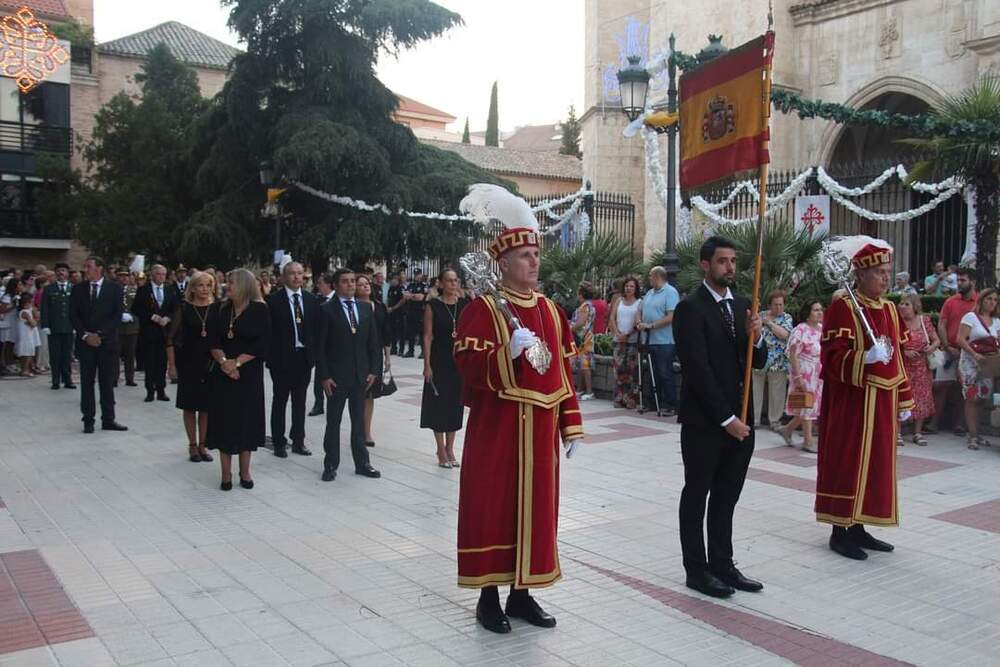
[(348, 358), (102, 317), (712, 365), (144, 307), (283, 328)]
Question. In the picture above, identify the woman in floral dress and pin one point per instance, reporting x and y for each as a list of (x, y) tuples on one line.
[(805, 372), (626, 312), (923, 340)]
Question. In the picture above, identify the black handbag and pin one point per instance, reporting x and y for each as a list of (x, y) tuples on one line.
[(386, 387)]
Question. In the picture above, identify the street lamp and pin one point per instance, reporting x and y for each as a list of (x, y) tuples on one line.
[(266, 171), (633, 82)]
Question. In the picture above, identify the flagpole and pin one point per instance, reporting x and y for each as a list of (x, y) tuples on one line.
[(758, 264)]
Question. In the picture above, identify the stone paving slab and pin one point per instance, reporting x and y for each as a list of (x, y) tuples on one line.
[(162, 568)]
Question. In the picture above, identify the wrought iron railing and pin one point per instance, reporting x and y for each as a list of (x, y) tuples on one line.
[(23, 138)]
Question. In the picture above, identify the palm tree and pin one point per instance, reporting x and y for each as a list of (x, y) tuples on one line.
[(791, 261), (976, 160), (599, 259)]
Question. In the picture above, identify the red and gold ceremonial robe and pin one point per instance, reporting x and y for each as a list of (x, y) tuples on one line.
[(856, 479), (508, 504)]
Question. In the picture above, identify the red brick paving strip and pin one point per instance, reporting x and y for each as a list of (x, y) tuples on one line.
[(798, 646), (982, 516), (782, 480), (34, 608)]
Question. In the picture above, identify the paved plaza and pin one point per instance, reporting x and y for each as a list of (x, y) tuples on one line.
[(115, 550)]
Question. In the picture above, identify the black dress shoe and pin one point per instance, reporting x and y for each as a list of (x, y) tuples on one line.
[(732, 577), (88, 428), (329, 475), (162, 396), (131, 384), (492, 618), (246, 483), (55, 386), (864, 539), (301, 450), (370, 443), (70, 386), (149, 397), (705, 582), (368, 471), (280, 452), (226, 486), (527, 609), (113, 426), (842, 543), (316, 411)]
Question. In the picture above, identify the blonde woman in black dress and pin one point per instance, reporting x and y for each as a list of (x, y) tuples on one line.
[(441, 408), (239, 333), (188, 360)]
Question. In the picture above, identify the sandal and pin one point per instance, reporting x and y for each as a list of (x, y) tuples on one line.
[(983, 442), (193, 455), (972, 444), (203, 453), (786, 436), (919, 440)]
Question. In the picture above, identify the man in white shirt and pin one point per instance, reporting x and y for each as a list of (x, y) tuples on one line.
[(154, 307)]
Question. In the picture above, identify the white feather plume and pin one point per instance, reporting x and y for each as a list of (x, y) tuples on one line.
[(486, 202), (849, 246)]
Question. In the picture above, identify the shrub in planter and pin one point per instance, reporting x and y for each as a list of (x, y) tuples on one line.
[(604, 345)]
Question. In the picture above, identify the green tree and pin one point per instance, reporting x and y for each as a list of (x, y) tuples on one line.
[(137, 193), (976, 160), (570, 134), (493, 120), (466, 137), (305, 96)]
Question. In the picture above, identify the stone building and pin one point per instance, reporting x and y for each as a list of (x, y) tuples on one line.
[(897, 55)]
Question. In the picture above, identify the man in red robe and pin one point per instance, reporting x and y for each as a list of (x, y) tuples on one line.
[(509, 493), (865, 394)]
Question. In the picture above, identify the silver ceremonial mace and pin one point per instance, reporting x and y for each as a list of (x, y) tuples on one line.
[(837, 271), (481, 278)]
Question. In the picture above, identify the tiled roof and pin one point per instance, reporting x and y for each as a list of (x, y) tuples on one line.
[(536, 138), (187, 44), (515, 162), (408, 104), (45, 7)]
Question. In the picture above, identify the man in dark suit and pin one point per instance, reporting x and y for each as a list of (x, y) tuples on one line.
[(324, 287), (712, 327), (349, 356), (59, 327), (96, 312), (295, 322), (179, 286), (154, 306)]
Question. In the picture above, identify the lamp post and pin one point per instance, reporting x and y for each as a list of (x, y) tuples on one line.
[(266, 170)]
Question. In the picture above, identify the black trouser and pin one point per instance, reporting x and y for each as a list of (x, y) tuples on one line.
[(128, 343), (98, 364), (61, 358), (319, 395), (354, 398), (292, 380), (715, 466), (397, 327), (155, 356), (414, 328)]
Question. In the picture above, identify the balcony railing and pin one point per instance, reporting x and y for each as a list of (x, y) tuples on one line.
[(21, 138), (19, 223)]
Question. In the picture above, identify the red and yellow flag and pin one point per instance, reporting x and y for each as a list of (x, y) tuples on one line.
[(724, 114)]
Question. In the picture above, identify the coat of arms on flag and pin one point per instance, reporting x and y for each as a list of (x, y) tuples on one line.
[(724, 114)]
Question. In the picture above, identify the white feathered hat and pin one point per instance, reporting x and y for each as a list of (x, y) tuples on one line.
[(863, 251), (487, 203)]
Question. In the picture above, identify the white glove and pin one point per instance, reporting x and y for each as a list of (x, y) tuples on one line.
[(520, 341), (570, 447), (47, 331), (905, 415), (126, 318), (876, 355)]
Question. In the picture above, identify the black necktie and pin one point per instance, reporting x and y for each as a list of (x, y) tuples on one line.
[(297, 306), (727, 317), (93, 292), (352, 318)]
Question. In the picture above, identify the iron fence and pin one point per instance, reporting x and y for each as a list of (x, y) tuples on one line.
[(939, 234), (23, 138)]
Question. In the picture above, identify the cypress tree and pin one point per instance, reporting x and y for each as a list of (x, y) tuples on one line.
[(493, 121), (466, 137)]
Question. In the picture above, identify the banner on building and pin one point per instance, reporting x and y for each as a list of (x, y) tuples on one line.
[(812, 214), (724, 114)]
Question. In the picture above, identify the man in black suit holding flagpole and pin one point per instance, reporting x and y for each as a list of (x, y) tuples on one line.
[(712, 327), (96, 312)]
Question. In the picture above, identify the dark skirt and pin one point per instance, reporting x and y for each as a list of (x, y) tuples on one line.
[(444, 412), (193, 384), (236, 420)]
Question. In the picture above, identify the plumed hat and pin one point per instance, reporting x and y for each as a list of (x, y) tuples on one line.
[(488, 203), (864, 252)]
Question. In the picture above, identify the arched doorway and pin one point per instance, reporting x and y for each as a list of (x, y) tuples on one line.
[(859, 145)]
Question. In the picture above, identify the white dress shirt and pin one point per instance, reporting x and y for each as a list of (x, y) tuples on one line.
[(291, 308)]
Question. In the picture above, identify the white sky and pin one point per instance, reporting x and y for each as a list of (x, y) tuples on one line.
[(533, 48)]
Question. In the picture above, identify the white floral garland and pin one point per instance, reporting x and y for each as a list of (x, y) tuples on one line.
[(898, 170), (775, 204), (835, 190)]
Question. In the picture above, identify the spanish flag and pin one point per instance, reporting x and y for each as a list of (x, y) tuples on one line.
[(724, 113)]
